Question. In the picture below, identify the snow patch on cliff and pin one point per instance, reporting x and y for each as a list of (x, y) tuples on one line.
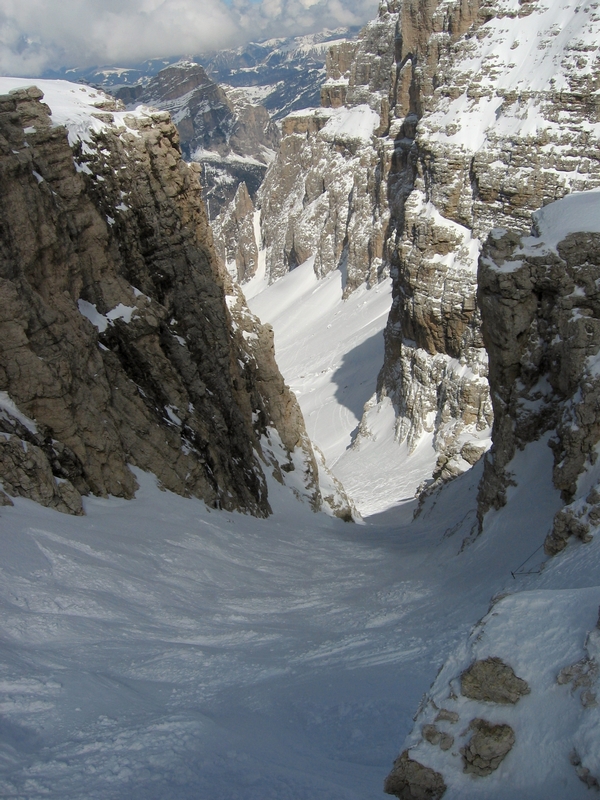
[(573, 214), (359, 122), (81, 109)]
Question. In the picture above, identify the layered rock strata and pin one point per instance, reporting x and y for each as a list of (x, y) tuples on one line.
[(117, 344), (490, 148), (541, 324), (325, 194), (232, 138), (463, 142)]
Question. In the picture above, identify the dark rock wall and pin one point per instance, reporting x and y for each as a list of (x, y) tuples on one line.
[(167, 382), (541, 327)]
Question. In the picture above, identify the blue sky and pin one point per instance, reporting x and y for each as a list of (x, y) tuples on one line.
[(37, 35)]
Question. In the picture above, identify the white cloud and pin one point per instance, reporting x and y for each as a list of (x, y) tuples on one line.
[(36, 35)]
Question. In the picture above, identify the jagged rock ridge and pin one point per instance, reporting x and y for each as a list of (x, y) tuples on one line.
[(232, 138), (118, 346), (284, 75), (464, 142)]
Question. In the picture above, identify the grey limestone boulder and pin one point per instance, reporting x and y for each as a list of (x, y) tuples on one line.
[(488, 747), (410, 780), (494, 681)]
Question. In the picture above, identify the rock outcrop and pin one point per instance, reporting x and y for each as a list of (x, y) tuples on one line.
[(462, 143), (118, 346), (325, 193), (232, 138), (541, 325), (235, 236), (410, 780), (493, 681), (525, 684), (479, 162), (487, 748)]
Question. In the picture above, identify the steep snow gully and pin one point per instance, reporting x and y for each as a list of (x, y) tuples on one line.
[(155, 649)]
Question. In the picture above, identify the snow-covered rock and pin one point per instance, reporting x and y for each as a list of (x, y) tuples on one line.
[(284, 74), (465, 142), (539, 300), (492, 145), (540, 303)]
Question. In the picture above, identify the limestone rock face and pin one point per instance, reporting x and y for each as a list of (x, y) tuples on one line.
[(116, 340), (35, 467), (235, 236), (338, 190), (540, 308), (325, 194), (473, 172)]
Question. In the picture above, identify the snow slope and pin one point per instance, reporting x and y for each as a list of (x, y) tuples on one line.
[(154, 649), (330, 351)]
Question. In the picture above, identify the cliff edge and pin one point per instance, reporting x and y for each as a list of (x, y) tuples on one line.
[(123, 341)]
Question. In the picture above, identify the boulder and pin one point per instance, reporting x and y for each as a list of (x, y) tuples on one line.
[(410, 780), (493, 681), (488, 747)]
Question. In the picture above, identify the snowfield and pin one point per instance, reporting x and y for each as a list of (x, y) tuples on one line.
[(155, 649)]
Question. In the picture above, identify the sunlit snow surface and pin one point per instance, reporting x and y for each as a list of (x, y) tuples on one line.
[(330, 352)]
